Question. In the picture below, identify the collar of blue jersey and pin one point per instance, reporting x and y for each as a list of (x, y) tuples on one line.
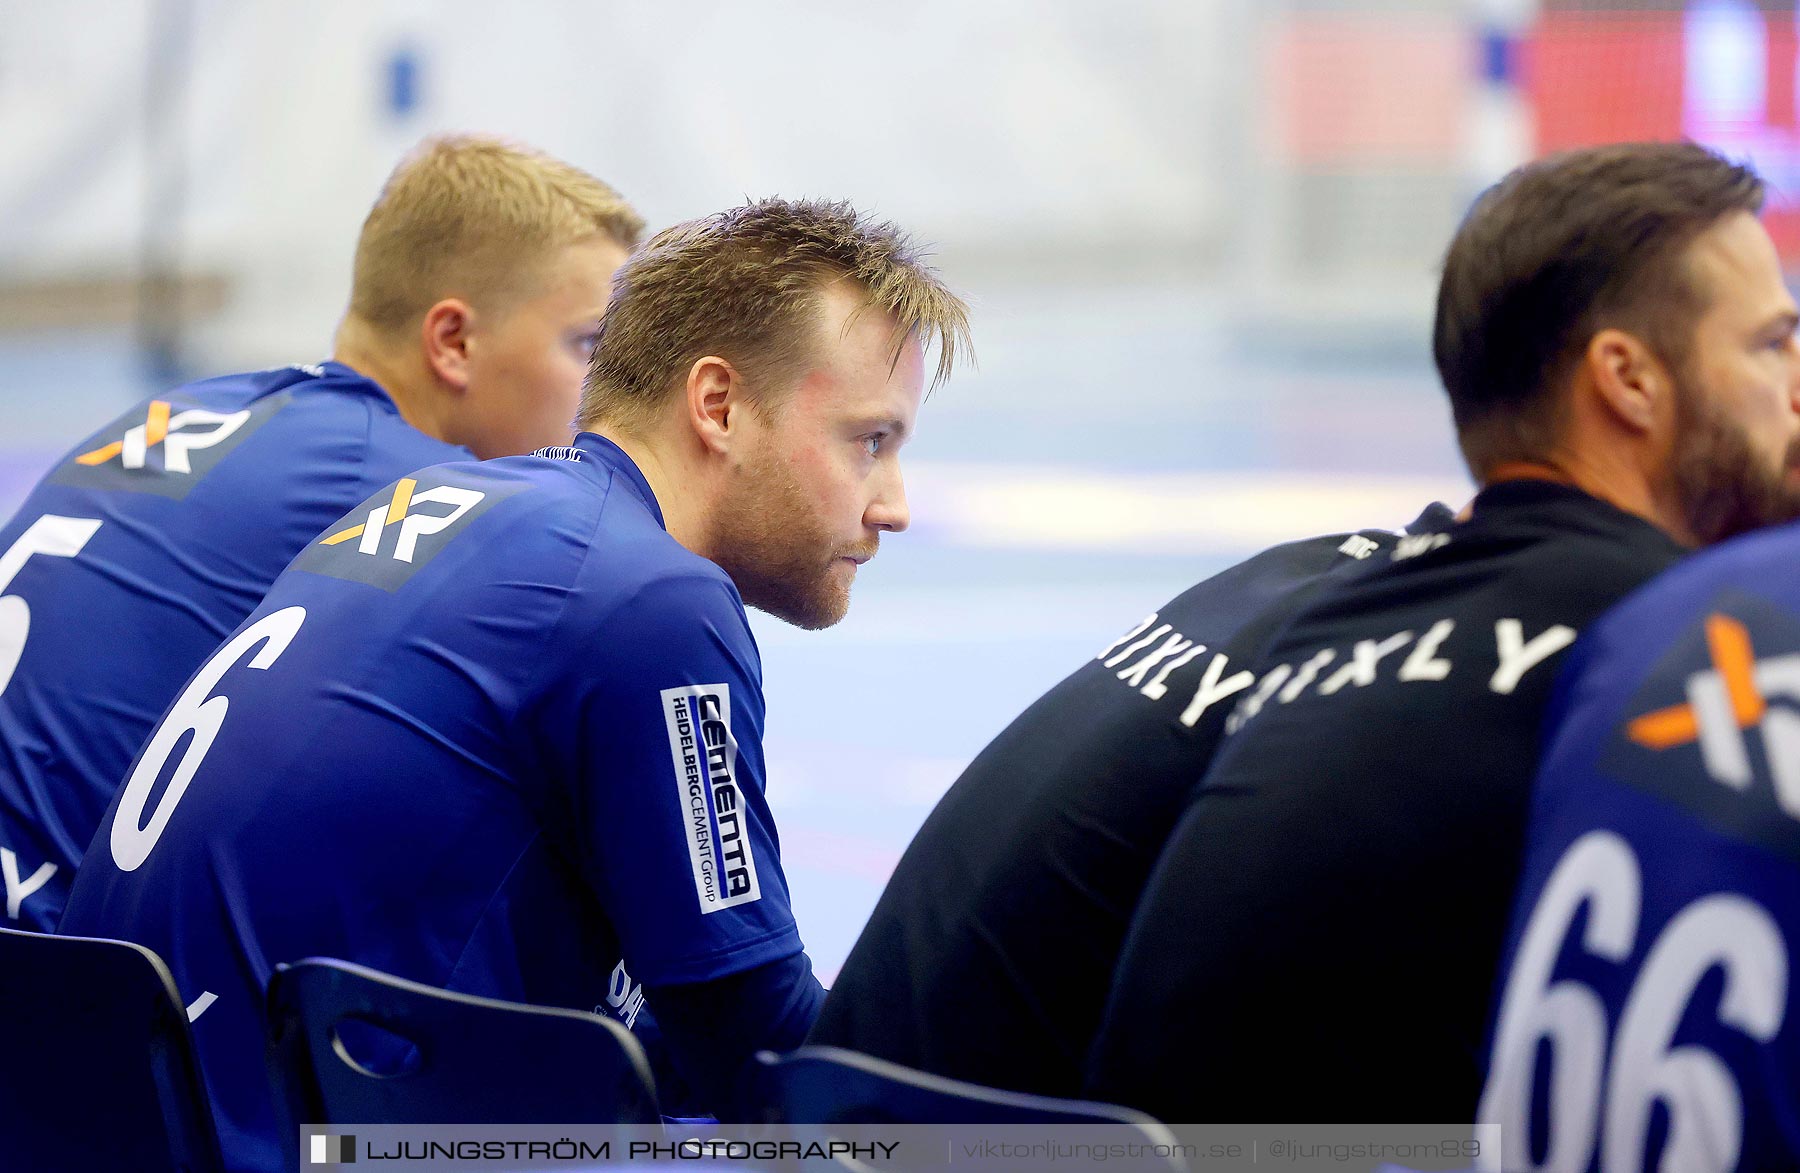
[(599, 453), (351, 380)]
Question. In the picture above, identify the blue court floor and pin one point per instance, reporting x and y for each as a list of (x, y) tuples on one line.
[(1113, 447)]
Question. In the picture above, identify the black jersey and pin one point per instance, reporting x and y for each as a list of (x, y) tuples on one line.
[(989, 955), (1319, 940)]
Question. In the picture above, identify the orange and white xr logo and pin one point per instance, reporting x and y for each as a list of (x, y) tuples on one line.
[(1726, 700), (398, 512), (179, 434)]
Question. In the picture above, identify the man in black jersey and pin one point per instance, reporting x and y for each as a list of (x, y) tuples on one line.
[(1319, 938), (989, 955)]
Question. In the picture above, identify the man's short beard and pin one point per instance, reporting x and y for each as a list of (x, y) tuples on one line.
[(1721, 483), (769, 540)]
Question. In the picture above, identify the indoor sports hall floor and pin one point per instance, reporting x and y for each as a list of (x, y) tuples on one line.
[(1112, 448)]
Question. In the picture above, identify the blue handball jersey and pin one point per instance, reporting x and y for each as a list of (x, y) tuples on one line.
[(134, 557), (1647, 1014), (495, 731)]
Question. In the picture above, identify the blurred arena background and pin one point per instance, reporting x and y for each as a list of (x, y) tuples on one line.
[(1200, 238)]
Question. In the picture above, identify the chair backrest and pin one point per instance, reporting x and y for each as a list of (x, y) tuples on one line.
[(98, 1068), (457, 1058), (831, 1085)]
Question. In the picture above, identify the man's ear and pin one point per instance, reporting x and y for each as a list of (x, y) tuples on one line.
[(1631, 382), (714, 397), (446, 337)]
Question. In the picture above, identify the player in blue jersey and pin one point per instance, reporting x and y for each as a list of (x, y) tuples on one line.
[(1648, 1015), (499, 730), (481, 274)]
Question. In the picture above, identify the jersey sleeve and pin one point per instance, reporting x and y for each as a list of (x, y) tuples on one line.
[(663, 716), (713, 1030)]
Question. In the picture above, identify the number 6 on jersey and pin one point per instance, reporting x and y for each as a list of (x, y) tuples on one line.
[(1603, 1104), (195, 710)]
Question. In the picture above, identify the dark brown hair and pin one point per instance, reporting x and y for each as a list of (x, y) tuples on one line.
[(1557, 251)]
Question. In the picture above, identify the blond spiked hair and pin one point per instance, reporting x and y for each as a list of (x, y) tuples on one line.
[(475, 218), (746, 284)]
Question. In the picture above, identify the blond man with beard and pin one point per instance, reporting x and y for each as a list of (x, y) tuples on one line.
[(506, 738)]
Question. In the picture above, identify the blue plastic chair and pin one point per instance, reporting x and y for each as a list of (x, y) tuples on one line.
[(99, 1069), (831, 1085), (448, 1056)]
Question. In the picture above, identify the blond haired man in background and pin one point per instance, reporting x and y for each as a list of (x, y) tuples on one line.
[(480, 277)]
